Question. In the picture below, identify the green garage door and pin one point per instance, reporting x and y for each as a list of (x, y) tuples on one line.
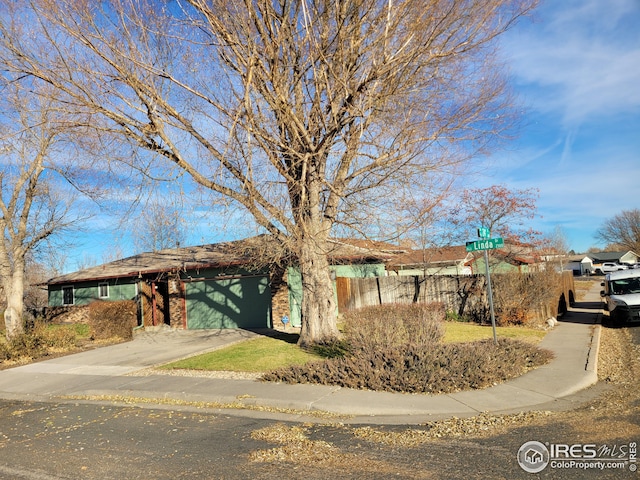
[(243, 302)]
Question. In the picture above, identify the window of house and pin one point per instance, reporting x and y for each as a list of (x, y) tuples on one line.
[(103, 290), (67, 296)]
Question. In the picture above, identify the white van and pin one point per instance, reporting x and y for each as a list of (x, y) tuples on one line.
[(621, 296)]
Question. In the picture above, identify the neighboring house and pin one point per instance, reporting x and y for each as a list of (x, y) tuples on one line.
[(627, 257), (206, 287), (581, 265), (455, 260), (433, 261), (503, 261)]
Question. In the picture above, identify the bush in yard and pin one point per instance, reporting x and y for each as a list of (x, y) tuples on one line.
[(5, 353), (442, 368), (526, 299), (108, 320), (26, 344), (54, 337), (398, 348), (39, 339), (392, 325)]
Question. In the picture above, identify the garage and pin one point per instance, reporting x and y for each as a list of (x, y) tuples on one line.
[(228, 302)]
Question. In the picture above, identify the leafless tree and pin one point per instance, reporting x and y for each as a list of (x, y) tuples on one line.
[(622, 231), (32, 207), (306, 114), (159, 225), (505, 212), (419, 219), (555, 248), (35, 292)]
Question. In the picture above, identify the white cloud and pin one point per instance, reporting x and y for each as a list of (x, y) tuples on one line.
[(584, 55)]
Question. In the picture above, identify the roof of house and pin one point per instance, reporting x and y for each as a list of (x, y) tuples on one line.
[(600, 257), (515, 258), (450, 255), (249, 253), (579, 258), (431, 256), (215, 255), (373, 245)]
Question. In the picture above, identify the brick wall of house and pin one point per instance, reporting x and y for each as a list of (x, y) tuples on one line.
[(279, 297), (176, 292)]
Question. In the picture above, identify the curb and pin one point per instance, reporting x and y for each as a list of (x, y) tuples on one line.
[(594, 350)]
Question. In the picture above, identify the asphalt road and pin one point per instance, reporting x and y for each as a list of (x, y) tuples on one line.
[(70, 441), (47, 441)]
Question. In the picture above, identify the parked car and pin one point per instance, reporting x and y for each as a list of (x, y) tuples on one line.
[(621, 296), (608, 267)]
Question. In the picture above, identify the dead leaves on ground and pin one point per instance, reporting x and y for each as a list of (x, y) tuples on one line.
[(295, 447)]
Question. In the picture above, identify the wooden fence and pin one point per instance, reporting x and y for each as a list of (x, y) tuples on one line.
[(453, 291), (462, 295)]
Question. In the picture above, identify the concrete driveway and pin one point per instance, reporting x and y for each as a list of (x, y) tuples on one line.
[(147, 349)]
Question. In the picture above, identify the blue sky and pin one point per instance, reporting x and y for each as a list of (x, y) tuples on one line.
[(575, 69)]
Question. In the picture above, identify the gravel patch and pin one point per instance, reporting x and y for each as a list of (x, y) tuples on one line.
[(197, 374)]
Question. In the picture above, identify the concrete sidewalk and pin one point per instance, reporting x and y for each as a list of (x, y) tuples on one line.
[(120, 371)]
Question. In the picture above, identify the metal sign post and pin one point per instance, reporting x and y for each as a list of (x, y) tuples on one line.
[(490, 295), (485, 244)]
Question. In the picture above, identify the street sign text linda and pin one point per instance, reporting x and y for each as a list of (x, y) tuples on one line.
[(488, 244)]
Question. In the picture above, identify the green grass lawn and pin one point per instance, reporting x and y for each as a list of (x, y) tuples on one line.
[(255, 355), (268, 353), (468, 332)]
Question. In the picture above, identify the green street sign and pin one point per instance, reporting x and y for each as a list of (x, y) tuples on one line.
[(484, 232), (486, 244)]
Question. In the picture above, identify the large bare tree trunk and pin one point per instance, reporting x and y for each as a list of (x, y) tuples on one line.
[(318, 306), (13, 314)]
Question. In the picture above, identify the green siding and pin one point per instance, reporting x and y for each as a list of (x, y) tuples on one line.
[(55, 296), (86, 292), (359, 271), (498, 266), (294, 280), (241, 302)]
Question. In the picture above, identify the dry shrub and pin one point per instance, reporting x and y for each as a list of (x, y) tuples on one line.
[(25, 345), (5, 353), (398, 348), (54, 338), (392, 325), (109, 320), (38, 340), (443, 368), (525, 299)]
